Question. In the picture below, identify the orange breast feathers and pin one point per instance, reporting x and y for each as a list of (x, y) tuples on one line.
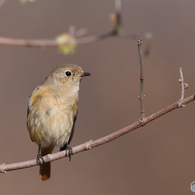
[(51, 116)]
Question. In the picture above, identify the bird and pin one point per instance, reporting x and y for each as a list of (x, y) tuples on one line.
[(52, 111)]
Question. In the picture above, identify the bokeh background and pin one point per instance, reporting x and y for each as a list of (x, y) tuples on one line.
[(156, 159)]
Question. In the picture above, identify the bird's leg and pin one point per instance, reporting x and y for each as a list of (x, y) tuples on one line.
[(39, 157), (68, 150)]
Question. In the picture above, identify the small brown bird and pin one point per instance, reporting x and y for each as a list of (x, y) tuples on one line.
[(52, 112)]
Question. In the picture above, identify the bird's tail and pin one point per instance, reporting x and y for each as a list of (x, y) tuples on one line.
[(44, 171)]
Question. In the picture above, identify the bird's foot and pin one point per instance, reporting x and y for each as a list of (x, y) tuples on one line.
[(40, 160), (68, 151)]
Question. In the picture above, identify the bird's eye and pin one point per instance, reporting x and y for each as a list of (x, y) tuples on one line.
[(68, 73)]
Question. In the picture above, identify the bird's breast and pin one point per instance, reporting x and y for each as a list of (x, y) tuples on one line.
[(51, 118)]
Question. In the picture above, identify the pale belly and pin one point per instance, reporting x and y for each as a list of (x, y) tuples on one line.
[(51, 126)]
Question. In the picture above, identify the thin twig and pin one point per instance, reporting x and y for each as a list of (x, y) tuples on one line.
[(92, 144), (182, 83), (142, 96), (93, 38)]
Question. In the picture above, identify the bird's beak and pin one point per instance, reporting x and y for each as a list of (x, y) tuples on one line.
[(85, 74)]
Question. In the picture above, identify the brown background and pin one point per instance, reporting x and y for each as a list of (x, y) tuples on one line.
[(156, 159)]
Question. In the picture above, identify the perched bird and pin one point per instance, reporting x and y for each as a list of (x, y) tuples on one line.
[(52, 112)]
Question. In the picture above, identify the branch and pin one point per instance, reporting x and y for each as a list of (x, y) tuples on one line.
[(142, 96), (52, 42), (92, 144), (182, 83), (42, 43)]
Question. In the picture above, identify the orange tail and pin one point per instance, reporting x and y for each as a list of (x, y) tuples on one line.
[(44, 172)]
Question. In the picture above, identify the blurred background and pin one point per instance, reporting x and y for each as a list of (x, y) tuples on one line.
[(156, 159)]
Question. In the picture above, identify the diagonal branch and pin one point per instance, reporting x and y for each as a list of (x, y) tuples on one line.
[(98, 142)]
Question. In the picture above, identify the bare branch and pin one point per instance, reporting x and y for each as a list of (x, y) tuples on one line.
[(51, 42), (182, 83), (92, 144), (93, 38), (142, 96)]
